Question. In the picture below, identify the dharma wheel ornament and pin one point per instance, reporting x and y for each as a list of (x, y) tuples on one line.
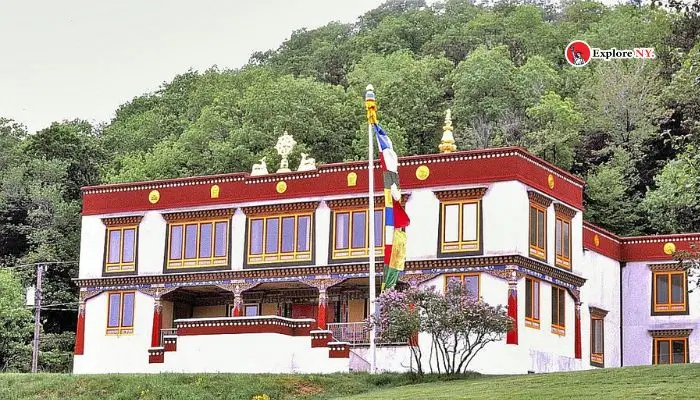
[(447, 144), (284, 147)]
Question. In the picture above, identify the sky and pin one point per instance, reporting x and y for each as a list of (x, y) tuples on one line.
[(71, 59), (66, 59)]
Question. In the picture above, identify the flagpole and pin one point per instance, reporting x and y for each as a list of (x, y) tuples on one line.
[(372, 256)]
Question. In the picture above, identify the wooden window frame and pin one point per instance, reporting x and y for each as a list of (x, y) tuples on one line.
[(120, 329), (277, 258), (245, 306), (352, 253), (597, 359), (670, 340), (198, 263), (461, 246), (560, 258), (120, 267), (670, 308), (461, 277), (535, 251), (533, 322), (559, 328)]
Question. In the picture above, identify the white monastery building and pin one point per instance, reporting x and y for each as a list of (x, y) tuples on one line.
[(268, 272)]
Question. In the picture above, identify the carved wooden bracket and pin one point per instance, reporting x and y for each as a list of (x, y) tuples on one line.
[(560, 209), (670, 333), (323, 284), (200, 214), (238, 288), (281, 208), (461, 194), (157, 292)]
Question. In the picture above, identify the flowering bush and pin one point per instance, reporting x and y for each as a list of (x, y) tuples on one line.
[(459, 325)]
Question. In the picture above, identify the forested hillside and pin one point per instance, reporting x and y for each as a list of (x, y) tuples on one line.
[(630, 128)]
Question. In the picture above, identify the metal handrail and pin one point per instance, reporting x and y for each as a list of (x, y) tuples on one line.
[(355, 333)]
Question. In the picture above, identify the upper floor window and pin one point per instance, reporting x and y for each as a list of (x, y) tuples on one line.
[(469, 280), (538, 225), (460, 221), (562, 235), (558, 310), (351, 233), (284, 236), (198, 240), (121, 244), (120, 313), (532, 303), (669, 292)]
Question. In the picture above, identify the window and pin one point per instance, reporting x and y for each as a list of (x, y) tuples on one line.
[(470, 282), (532, 303), (562, 234), (198, 244), (460, 226), (597, 339), (251, 310), (285, 238), (598, 336), (538, 231), (669, 292), (558, 310), (120, 255), (670, 350), (120, 313), (351, 234)]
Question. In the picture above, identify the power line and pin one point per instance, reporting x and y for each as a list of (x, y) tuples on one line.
[(33, 265)]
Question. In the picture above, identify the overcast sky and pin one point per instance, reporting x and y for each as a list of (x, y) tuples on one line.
[(65, 59)]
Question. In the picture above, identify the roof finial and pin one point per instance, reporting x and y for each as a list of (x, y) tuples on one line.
[(447, 144)]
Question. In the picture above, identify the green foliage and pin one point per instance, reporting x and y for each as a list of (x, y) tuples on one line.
[(15, 321), (554, 134)]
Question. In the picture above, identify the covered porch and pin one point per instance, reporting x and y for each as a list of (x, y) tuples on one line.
[(340, 306)]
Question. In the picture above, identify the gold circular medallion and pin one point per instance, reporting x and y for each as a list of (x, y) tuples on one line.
[(422, 172), (550, 181), (281, 187), (596, 240), (669, 248), (154, 196)]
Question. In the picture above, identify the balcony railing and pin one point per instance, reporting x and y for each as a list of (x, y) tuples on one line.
[(356, 333), (167, 332)]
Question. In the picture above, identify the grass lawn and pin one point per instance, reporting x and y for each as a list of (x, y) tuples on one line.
[(676, 382), (657, 382)]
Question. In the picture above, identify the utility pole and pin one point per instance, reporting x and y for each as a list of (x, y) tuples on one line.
[(37, 316)]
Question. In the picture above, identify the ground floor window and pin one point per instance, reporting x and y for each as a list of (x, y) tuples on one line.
[(597, 348), (670, 350), (120, 313)]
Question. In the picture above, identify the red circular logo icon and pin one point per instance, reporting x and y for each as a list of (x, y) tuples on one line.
[(578, 53)]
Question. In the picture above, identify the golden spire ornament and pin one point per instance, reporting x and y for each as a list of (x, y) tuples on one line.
[(447, 144)]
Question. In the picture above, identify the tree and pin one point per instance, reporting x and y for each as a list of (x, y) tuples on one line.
[(554, 132), (15, 320), (460, 325), (691, 260)]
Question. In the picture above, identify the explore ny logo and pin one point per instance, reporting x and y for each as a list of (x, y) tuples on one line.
[(578, 53)]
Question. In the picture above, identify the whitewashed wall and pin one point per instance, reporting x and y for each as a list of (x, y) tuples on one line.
[(115, 354), (602, 290), (238, 233), (637, 319), (506, 219), (151, 251), (250, 353), (321, 244), (422, 235), (92, 246)]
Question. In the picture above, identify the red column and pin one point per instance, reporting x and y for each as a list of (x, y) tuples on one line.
[(512, 336), (577, 333), (237, 304), (322, 309), (157, 323), (80, 330)]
